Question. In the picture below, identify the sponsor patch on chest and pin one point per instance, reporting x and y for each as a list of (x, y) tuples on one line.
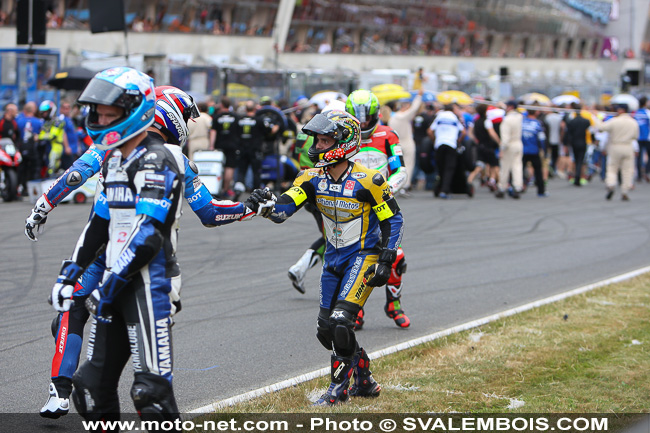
[(349, 188)]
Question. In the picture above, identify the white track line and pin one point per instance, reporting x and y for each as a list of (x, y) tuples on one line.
[(418, 341)]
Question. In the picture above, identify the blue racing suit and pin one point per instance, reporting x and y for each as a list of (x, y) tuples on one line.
[(135, 220), (68, 327)]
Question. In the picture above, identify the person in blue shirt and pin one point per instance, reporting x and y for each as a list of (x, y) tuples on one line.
[(29, 127), (642, 117), (534, 140)]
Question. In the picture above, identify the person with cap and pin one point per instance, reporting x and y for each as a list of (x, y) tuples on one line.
[(623, 131), (510, 152)]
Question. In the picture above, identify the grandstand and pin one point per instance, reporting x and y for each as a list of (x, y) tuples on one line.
[(474, 45)]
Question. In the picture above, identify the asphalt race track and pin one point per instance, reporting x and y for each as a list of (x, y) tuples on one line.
[(243, 326)]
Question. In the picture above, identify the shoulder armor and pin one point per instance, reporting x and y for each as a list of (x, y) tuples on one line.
[(378, 179), (193, 166)]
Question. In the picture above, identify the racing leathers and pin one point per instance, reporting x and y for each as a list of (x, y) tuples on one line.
[(363, 226), (383, 152), (135, 222), (68, 326)]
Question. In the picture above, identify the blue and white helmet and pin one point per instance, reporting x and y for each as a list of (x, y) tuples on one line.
[(122, 87), (47, 109)]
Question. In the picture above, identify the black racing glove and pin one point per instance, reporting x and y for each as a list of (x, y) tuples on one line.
[(261, 202), (381, 271), (99, 303)]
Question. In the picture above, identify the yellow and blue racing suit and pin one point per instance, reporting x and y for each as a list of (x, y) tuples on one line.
[(360, 217)]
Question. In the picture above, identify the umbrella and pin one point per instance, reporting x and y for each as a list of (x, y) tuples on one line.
[(532, 98), (388, 87), (392, 95), (390, 92), (627, 99), (565, 100), (456, 96), (427, 96), (75, 78), (323, 98)]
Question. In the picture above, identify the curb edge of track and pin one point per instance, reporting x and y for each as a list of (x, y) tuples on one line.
[(418, 341)]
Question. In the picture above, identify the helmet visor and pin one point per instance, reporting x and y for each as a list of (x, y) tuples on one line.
[(101, 92), (192, 111), (320, 124)]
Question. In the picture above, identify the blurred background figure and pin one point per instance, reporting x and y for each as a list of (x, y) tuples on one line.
[(199, 138)]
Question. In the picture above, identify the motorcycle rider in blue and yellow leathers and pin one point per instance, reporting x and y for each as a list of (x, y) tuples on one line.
[(363, 228)]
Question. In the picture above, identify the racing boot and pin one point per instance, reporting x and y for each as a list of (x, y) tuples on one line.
[(364, 384), (58, 404), (341, 371), (358, 324), (298, 271), (393, 307)]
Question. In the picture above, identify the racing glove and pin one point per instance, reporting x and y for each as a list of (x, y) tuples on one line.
[(100, 300), (260, 202), (61, 297), (34, 222), (381, 270)]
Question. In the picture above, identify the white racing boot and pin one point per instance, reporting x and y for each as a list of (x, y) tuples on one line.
[(298, 271), (55, 406)]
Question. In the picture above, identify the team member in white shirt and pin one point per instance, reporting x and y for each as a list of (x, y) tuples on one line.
[(446, 131)]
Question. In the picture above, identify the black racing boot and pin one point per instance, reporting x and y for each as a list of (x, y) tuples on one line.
[(364, 384), (341, 371)]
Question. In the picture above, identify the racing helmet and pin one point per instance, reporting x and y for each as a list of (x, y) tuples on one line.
[(343, 128), (122, 87), (47, 109), (174, 109), (364, 105)]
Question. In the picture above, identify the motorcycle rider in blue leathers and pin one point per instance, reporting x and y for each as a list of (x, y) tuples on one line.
[(363, 229), (173, 110)]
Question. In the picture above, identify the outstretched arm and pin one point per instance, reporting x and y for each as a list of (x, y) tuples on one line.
[(211, 212), (81, 170)]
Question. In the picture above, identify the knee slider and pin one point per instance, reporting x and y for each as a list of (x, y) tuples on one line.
[(153, 397)]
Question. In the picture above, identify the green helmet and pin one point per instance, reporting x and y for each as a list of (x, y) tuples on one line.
[(364, 105)]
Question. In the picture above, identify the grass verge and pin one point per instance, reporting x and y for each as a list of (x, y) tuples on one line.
[(585, 354)]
